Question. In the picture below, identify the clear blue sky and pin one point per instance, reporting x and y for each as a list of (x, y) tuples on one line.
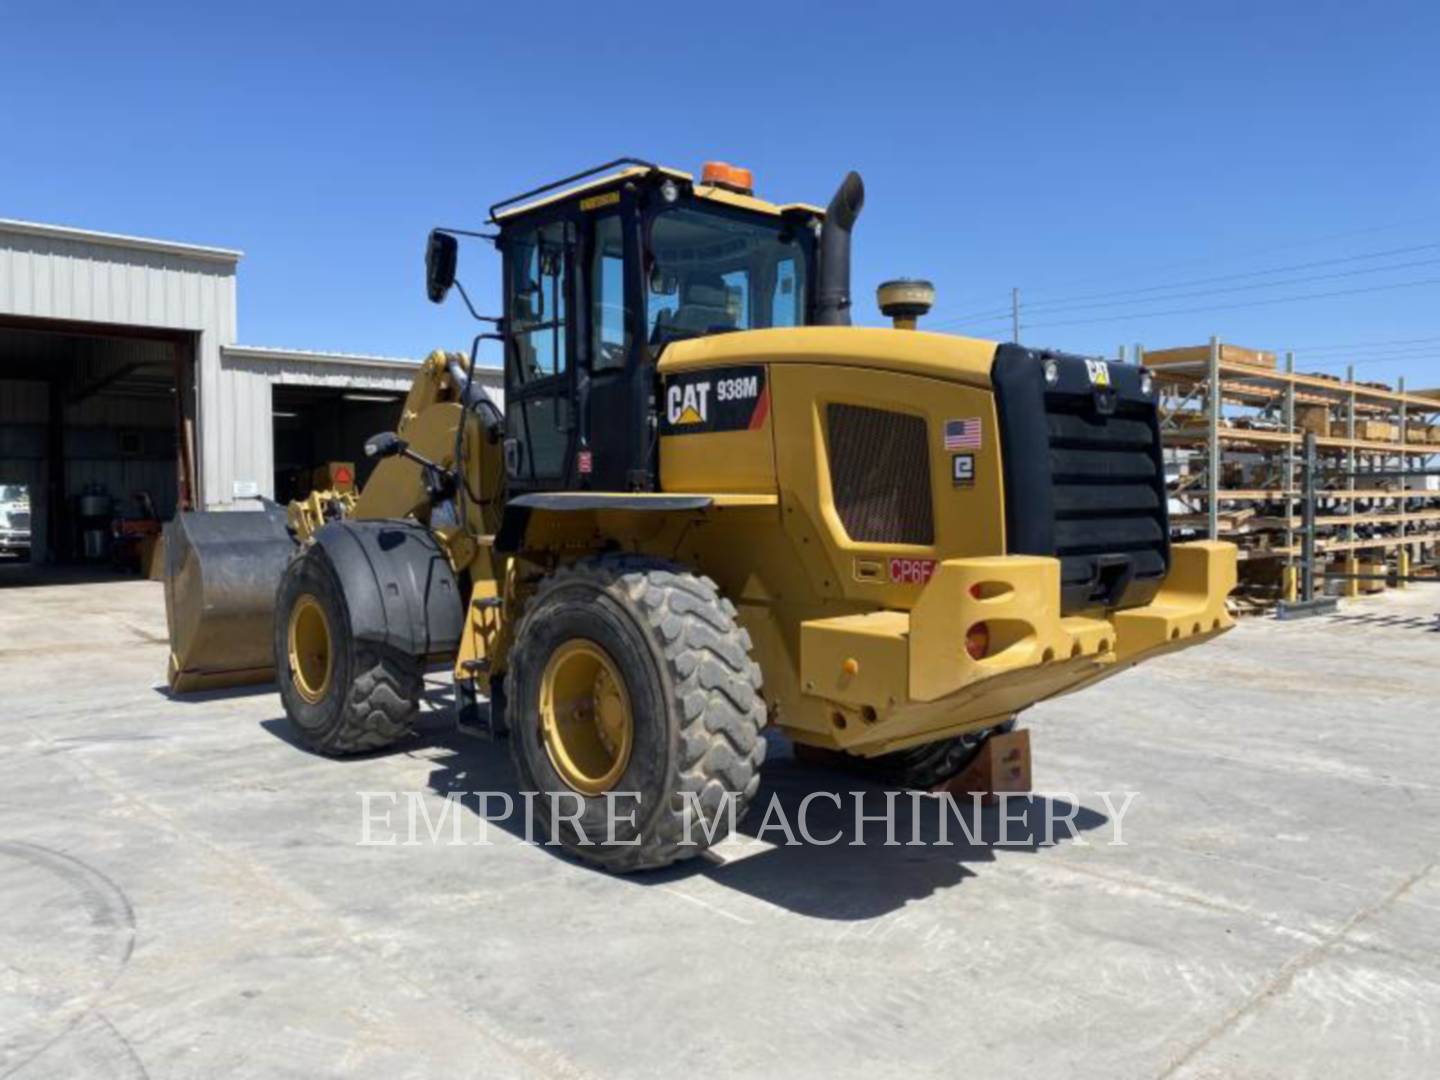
[(1069, 149)]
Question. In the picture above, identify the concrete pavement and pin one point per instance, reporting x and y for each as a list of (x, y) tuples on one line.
[(184, 894)]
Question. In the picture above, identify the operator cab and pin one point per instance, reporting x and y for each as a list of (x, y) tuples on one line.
[(601, 272)]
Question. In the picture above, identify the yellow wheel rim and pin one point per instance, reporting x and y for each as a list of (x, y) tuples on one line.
[(310, 656), (585, 717)]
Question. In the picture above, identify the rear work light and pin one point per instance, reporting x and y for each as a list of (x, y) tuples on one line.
[(977, 641)]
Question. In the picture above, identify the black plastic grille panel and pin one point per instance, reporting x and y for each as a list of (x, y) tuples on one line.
[(1084, 474), (1107, 487), (880, 475)]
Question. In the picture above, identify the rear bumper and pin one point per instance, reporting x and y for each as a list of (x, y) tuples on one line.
[(891, 679)]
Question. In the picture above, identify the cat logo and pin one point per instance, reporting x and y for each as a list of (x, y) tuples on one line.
[(1099, 372), (687, 404), (716, 399)]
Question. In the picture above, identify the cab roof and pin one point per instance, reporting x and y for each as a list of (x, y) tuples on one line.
[(610, 177)]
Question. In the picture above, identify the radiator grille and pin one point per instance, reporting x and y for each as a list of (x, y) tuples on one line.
[(1084, 474), (1108, 490), (880, 475), (19, 520)]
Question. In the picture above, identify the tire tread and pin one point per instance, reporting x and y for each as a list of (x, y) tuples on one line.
[(381, 705), (715, 690)]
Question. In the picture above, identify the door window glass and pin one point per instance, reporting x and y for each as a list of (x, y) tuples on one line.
[(537, 304), (540, 427), (609, 318)]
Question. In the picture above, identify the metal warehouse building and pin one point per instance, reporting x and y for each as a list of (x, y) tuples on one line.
[(121, 377)]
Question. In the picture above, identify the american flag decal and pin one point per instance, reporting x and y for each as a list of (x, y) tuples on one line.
[(962, 434)]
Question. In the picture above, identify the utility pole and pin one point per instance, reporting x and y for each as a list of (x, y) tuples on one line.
[(1015, 315)]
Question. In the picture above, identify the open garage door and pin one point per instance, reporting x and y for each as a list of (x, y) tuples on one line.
[(96, 445), (319, 426)]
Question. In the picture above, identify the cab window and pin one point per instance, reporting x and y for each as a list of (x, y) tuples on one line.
[(537, 303), (609, 318), (711, 272)]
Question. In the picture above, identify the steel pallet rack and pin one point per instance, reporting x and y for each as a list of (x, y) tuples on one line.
[(1233, 423)]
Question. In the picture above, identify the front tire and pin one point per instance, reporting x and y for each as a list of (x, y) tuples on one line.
[(630, 678), (343, 696)]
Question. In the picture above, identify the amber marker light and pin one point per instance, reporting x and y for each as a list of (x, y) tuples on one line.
[(731, 177)]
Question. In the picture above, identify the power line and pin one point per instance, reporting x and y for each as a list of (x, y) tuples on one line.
[(972, 323), (1243, 304), (992, 312), (1373, 360), (1363, 344), (1267, 249), (1258, 273), (1064, 303), (1259, 285), (1401, 350)]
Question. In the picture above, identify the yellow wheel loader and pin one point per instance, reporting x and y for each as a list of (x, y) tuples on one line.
[(708, 505)]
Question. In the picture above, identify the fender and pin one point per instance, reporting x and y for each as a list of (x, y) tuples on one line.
[(398, 585), (520, 511)]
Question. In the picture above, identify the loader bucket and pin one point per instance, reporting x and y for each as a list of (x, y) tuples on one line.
[(221, 573)]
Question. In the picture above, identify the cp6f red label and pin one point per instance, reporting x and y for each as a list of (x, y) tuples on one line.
[(911, 571)]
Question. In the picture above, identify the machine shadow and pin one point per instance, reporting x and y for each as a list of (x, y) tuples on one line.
[(934, 844), (224, 693), (1426, 623), (29, 575), (434, 697), (849, 873)]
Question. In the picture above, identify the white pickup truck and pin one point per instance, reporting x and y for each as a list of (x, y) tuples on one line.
[(14, 520)]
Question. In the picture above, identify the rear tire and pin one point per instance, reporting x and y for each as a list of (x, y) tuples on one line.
[(343, 696), (664, 649), (922, 767)]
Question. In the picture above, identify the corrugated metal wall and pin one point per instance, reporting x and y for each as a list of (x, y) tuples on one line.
[(51, 273), (54, 273), (278, 367)]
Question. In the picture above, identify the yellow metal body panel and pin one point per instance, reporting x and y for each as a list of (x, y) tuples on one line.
[(907, 677), (919, 352), (396, 487), (306, 515), (724, 462), (894, 679), (854, 658), (1189, 604), (857, 660)]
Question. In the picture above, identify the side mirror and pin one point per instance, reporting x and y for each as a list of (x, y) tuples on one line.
[(386, 444), (440, 254)]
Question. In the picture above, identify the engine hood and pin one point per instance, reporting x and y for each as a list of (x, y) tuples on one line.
[(913, 352)]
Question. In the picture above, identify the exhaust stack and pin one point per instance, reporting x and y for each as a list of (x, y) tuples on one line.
[(832, 306)]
